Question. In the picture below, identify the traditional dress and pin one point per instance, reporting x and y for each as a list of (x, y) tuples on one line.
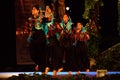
[(54, 50), (81, 55), (37, 43), (66, 44)]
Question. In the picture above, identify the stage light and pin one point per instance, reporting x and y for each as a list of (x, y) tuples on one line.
[(101, 73), (67, 8)]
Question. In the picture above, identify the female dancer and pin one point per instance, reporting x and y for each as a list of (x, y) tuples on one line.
[(81, 37), (54, 53), (66, 42), (37, 40)]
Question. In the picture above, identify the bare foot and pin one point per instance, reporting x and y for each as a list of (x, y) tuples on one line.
[(69, 72), (36, 68), (60, 69), (87, 70), (46, 70), (54, 72), (78, 72)]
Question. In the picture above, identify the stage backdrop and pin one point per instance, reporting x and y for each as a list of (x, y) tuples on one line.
[(22, 50)]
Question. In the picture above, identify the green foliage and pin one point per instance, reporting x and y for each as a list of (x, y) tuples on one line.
[(90, 4)]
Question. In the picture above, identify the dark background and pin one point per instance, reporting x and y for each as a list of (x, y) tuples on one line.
[(108, 22), (7, 43)]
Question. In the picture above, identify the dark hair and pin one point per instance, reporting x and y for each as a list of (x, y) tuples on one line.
[(66, 14), (36, 6)]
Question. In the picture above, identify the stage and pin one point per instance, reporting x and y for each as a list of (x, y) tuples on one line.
[(90, 74)]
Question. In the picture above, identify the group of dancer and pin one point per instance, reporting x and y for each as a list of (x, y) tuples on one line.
[(57, 46)]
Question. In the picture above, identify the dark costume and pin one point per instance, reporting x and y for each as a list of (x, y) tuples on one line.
[(37, 44), (66, 45), (53, 48), (81, 57)]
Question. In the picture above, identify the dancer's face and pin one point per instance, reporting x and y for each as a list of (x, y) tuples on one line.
[(79, 26), (65, 18), (35, 11)]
